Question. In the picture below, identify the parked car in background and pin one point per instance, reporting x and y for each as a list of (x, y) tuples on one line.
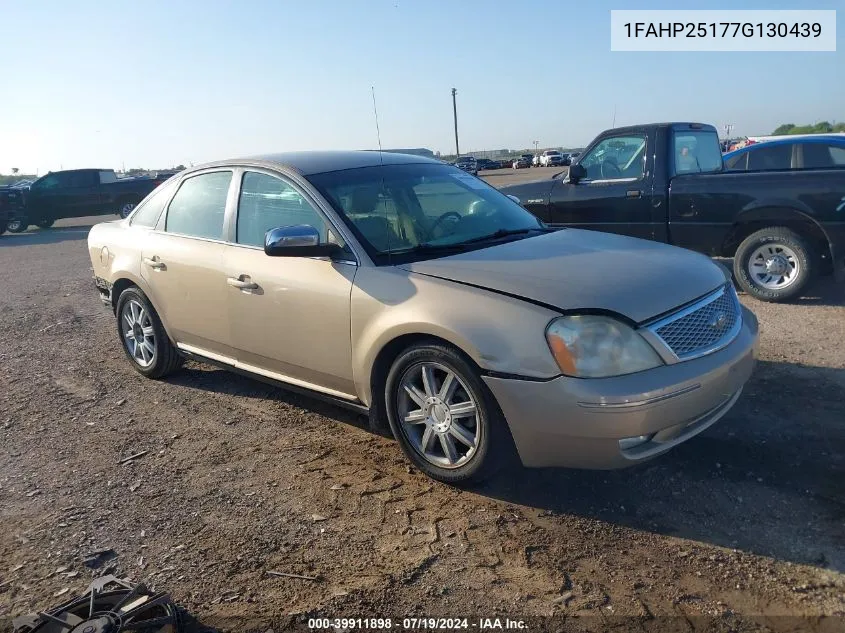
[(551, 157), (819, 152), (467, 164), (667, 182), (486, 163), (535, 160), (522, 162), (11, 205), (77, 193), (408, 290), (573, 156)]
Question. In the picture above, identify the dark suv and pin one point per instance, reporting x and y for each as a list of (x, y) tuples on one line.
[(11, 205)]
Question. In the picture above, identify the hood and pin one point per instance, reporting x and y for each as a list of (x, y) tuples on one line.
[(575, 269)]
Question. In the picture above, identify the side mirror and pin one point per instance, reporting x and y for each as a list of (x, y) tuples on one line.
[(576, 173), (302, 240), (515, 199)]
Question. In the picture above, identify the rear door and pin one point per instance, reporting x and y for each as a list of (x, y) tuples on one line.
[(616, 194), (182, 263), (293, 321)]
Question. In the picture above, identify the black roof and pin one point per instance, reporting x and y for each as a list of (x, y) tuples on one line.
[(678, 125), (317, 162)]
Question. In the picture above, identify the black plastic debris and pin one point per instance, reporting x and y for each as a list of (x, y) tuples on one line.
[(108, 605)]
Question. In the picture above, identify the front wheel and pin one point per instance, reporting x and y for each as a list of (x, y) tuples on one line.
[(17, 225), (143, 336), (443, 415), (774, 264)]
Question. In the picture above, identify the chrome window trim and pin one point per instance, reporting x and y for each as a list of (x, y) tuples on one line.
[(649, 332)]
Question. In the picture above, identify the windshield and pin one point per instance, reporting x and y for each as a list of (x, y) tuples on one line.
[(413, 211)]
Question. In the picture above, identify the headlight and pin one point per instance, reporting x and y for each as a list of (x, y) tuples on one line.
[(598, 347)]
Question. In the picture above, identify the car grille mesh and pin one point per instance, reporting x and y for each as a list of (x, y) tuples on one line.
[(705, 329)]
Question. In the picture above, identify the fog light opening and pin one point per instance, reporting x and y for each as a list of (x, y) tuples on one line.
[(628, 443)]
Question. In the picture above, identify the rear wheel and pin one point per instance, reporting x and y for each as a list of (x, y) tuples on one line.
[(126, 209), (443, 415), (45, 223), (774, 264), (17, 225), (143, 337)]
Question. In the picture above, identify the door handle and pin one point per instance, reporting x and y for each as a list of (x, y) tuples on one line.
[(155, 263), (633, 193), (241, 283)]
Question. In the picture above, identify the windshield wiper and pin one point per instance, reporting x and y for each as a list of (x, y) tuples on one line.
[(495, 235)]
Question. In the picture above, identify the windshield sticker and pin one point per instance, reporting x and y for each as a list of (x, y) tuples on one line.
[(470, 181)]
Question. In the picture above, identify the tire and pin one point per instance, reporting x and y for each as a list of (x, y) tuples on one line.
[(126, 208), (45, 223), (164, 358), (17, 225), (433, 425), (780, 246)]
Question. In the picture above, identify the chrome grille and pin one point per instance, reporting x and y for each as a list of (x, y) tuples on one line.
[(703, 327)]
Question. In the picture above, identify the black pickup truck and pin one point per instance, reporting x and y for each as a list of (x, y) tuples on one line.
[(78, 193), (666, 182)]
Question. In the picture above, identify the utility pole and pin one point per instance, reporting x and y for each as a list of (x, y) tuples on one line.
[(455, 114), (536, 146)]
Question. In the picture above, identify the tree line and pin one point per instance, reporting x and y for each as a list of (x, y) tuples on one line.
[(824, 127)]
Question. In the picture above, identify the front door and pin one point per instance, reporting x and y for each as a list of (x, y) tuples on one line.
[(290, 316), (615, 195), (182, 263)]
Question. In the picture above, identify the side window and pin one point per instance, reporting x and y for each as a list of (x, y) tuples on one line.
[(738, 162), (837, 155), (80, 179), (616, 158), (822, 155), (150, 209), (199, 206), (769, 158), (267, 202)]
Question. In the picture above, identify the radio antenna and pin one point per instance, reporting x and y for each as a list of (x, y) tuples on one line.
[(375, 113)]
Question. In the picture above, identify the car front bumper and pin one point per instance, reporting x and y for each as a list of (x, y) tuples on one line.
[(577, 423)]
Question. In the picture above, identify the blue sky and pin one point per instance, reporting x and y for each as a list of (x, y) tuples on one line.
[(158, 83)]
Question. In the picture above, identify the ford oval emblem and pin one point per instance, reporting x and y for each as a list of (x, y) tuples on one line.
[(719, 320)]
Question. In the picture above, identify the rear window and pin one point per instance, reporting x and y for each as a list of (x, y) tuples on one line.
[(822, 155), (696, 152)]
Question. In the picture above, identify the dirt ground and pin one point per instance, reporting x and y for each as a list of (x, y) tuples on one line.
[(742, 528)]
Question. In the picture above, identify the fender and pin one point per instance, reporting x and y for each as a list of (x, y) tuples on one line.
[(773, 212)]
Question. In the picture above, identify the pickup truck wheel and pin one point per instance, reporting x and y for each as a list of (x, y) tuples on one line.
[(126, 208), (17, 225), (774, 264), (45, 224), (444, 417), (143, 337)]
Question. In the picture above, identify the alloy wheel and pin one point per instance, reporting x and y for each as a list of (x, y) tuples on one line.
[(138, 333), (774, 266), (438, 415)]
